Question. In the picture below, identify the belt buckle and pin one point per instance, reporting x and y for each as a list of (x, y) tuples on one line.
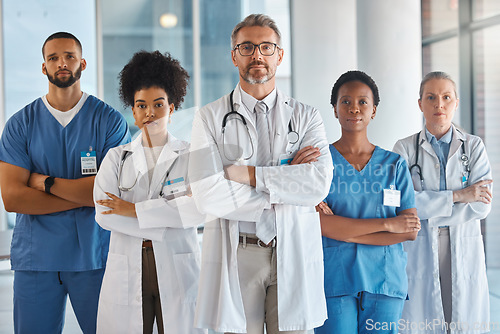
[(261, 244)]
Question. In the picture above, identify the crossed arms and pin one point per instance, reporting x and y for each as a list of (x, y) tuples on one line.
[(24, 192)]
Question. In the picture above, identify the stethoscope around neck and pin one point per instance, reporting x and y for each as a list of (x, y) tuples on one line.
[(122, 188), (464, 158), (293, 136)]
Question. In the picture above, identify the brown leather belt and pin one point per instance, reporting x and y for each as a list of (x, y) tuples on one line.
[(147, 244), (256, 241)]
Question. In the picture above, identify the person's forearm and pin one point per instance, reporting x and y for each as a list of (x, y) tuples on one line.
[(241, 174), (343, 228), (78, 191), (383, 238), (26, 200)]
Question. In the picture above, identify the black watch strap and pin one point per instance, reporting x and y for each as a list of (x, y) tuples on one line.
[(49, 182)]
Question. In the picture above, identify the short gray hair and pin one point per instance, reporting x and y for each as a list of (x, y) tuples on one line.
[(255, 20), (436, 75)]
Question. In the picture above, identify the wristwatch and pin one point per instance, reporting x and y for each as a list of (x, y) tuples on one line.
[(49, 182)]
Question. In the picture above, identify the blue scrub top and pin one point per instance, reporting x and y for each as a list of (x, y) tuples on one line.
[(33, 139), (351, 267)]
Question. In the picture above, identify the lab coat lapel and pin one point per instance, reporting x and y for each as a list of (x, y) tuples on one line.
[(456, 141), (167, 158), (250, 118), (281, 121), (138, 157), (426, 146)]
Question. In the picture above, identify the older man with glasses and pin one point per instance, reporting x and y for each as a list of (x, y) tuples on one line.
[(260, 164)]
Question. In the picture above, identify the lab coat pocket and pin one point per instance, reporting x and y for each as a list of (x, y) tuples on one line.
[(310, 229), (419, 257), (187, 269), (114, 287), (472, 257)]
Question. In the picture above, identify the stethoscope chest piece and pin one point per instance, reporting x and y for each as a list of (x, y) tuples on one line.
[(293, 137), (465, 159)]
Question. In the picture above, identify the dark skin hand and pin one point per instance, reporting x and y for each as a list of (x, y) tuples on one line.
[(118, 206)]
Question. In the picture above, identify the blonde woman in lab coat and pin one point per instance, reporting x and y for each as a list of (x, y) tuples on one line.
[(451, 174), (142, 196)]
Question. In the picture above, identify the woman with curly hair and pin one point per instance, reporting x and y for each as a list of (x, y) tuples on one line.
[(142, 196)]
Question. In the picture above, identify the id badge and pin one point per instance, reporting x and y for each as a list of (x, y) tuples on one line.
[(285, 159), (88, 162), (465, 179), (392, 197), (175, 187)]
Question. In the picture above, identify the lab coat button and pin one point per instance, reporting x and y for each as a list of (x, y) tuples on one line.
[(437, 166)]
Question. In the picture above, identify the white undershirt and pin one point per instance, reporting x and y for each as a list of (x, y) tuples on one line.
[(152, 155), (64, 117)]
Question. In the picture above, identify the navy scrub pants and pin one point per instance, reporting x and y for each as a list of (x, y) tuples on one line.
[(40, 300)]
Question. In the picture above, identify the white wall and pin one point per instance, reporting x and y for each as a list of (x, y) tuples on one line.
[(324, 47), (379, 37), (390, 50), (26, 25)]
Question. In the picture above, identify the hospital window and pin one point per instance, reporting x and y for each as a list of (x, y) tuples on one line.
[(196, 32)]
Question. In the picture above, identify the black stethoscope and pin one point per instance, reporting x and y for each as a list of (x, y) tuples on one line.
[(125, 155), (464, 158), (293, 136)]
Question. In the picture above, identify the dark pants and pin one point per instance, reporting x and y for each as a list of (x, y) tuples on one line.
[(151, 305)]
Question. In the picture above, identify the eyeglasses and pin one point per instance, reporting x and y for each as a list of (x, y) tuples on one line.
[(265, 48)]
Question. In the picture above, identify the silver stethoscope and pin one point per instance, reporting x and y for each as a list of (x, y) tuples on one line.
[(464, 158), (125, 155), (293, 136)]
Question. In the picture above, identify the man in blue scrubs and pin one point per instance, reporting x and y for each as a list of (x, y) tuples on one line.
[(49, 154)]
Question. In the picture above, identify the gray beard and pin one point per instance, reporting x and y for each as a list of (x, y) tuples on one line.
[(252, 81)]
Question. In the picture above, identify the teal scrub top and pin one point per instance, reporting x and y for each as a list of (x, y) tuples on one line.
[(350, 267), (34, 140)]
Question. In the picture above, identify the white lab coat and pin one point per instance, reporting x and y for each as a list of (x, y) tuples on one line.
[(293, 190), (436, 208), (170, 224)]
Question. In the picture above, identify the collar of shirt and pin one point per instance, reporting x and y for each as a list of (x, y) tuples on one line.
[(442, 149), (441, 146), (446, 139), (249, 101)]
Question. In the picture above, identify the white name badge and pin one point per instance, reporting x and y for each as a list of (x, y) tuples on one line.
[(175, 186), (88, 162), (392, 197)]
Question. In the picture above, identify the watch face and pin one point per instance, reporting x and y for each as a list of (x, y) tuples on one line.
[(49, 182)]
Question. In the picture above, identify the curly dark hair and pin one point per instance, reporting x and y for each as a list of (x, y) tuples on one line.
[(355, 76), (153, 69)]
